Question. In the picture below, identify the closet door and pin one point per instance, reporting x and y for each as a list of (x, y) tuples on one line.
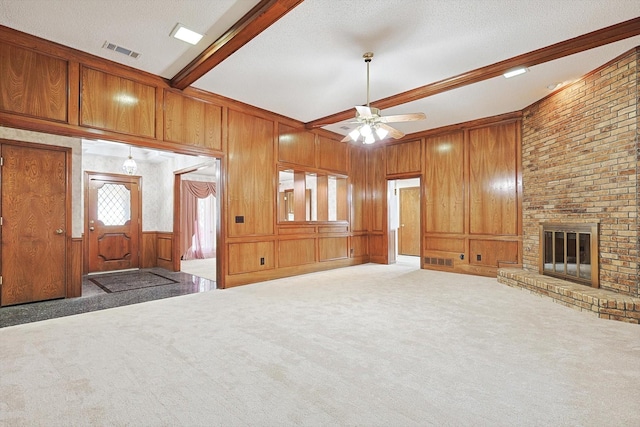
[(34, 221)]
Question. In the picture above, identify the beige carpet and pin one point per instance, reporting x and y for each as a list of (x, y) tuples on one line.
[(205, 268), (370, 345)]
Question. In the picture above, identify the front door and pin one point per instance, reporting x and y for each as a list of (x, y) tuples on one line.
[(34, 221), (409, 233), (112, 221)]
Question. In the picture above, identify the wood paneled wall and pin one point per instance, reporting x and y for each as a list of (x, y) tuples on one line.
[(470, 198), (192, 121), (471, 195), (377, 207), (74, 282), (33, 84), (117, 104), (492, 181), (403, 158), (250, 176), (289, 248), (164, 245), (50, 88)]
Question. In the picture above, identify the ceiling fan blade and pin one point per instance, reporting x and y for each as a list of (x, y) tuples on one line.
[(393, 132), (346, 138), (364, 112), (403, 118)]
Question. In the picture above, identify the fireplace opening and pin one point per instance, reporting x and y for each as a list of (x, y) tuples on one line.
[(570, 251)]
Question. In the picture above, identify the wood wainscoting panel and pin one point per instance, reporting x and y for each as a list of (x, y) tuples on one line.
[(445, 244), (359, 246), (33, 84), (492, 252), (377, 247), (333, 248), (297, 230), (493, 179), (296, 145), (250, 175), (149, 249), (192, 121), (296, 252), (358, 185), (403, 158), (165, 250), (444, 182), (74, 281), (332, 154), (250, 257), (333, 228), (118, 104)]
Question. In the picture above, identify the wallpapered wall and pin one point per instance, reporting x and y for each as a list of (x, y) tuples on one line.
[(157, 185)]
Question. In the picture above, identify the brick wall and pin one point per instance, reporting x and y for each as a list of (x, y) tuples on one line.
[(581, 154)]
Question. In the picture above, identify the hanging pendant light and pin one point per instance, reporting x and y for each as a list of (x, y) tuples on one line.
[(130, 167)]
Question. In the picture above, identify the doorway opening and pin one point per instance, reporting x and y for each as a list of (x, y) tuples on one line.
[(159, 233), (404, 221), (197, 219)]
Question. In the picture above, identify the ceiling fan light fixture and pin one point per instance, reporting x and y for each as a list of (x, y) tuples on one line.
[(382, 133), (369, 139), (365, 130), (355, 134)]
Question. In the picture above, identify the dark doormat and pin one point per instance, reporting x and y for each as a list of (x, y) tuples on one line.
[(126, 281)]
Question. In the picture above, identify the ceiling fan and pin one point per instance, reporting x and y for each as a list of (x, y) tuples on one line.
[(372, 126)]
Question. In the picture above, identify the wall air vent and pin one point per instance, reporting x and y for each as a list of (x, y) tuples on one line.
[(447, 262), (122, 50)]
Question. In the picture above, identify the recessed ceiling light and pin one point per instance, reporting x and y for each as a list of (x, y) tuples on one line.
[(515, 72), (181, 32)]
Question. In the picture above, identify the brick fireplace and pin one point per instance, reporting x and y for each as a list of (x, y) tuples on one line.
[(580, 166), (580, 158)]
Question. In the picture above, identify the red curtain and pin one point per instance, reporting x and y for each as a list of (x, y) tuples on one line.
[(191, 234)]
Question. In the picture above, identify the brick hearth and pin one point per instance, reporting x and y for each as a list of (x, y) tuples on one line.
[(601, 302)]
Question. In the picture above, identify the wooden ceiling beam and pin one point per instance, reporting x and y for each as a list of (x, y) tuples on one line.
[(258, 19), (604, 36)]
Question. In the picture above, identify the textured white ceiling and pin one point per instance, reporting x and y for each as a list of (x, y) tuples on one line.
[(309, 63)]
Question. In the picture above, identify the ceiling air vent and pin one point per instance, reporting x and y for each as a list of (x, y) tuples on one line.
[(120, 49)]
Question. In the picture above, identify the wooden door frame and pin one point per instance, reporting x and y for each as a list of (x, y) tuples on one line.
[(177, 180), (402, 177), (68, 256), (106, 176)]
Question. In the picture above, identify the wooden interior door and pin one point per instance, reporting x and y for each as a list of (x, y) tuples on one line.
[(34, 222), (113, 221), (409, 232)]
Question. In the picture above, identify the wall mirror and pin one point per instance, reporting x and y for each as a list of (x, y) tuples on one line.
[(311, 196)]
